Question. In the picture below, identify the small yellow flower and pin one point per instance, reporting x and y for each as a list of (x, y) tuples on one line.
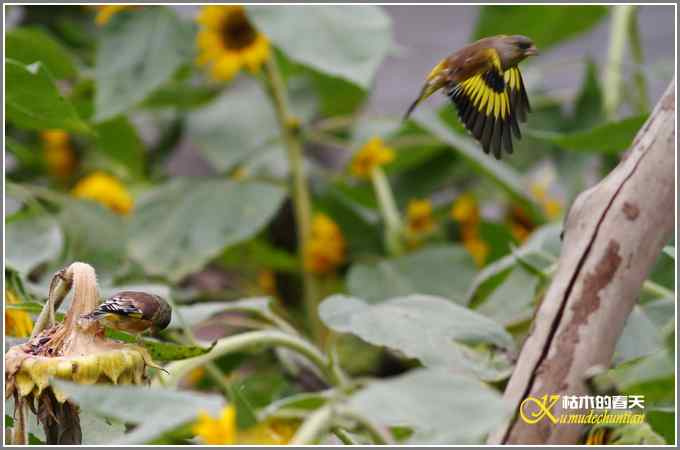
[(194, 376), (419, 216), (267, 282), (217, 431), (238, 174), (552, 208), (519, 231), (598, 436), (325, 250), (228, 42), (373, 154), (269, 432), (465, 209), (542, 184), (105, 12), (477, 248), (58, 153), (17, 323), (105, 189)]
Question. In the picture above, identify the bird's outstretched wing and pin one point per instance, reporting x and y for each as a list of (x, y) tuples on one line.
[(490, 103), (519, 101)]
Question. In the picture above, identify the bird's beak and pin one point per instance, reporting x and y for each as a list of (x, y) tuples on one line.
[(531, 51)]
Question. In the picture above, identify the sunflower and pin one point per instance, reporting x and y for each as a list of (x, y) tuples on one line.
[(105, 12), (228, 42)]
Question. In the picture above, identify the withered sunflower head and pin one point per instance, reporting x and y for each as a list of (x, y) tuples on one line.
[(73, 350)]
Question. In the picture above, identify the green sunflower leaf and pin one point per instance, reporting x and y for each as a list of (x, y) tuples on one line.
[(183, 224), (34, 102), (546, 25), (138, 51), (348, 42), (30, 45)]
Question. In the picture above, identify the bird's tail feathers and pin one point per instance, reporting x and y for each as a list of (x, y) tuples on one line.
[(94, 315), (429, 88)]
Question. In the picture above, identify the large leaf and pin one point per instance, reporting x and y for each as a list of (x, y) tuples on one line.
[(640, 337), (183, 224), (588, 108), (344, 41), (94, 234), (546, 25), (472, 154), (440, 407), (257, 253), (32, 240), (610, 138), (33, 100), (153, 410), (669, 250), (512, 302), (138, 51), (30, 45), (652, 376), (96, 430), (434, 330), (442, 271), (539, 251), (239, 125), (118, 139), (159, 350), (197, 313)]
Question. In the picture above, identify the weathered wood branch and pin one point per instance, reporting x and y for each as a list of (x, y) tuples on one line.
[(614, 233)]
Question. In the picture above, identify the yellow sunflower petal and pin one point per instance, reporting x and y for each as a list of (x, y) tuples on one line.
[(226, 67), (256, 54)]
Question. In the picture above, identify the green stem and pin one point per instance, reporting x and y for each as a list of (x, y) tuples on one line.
[(344, 437), (389, 212), (613, 86), (638, 60), (655, 289), (378, 435), (290, 129), (212, 368), (269, 338), (314, 427)]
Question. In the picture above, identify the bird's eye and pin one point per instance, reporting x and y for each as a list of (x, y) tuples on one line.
[(524, 45)]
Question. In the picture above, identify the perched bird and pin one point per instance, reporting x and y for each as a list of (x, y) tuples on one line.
[(133, 312), (485, 84)]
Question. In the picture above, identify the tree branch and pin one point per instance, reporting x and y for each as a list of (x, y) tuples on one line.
[(614, 233)]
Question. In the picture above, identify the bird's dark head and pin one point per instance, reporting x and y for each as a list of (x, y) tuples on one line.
[(163, 317), (514, 49)]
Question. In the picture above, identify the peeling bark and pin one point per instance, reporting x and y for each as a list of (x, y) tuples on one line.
[(628, 216)]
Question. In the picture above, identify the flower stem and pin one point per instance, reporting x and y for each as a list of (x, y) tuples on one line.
[(655, 289), (268, 338), (389, 211), (290, 130), (638, 60), (613, 86), (314, 427), (344, 437), (378, 435)]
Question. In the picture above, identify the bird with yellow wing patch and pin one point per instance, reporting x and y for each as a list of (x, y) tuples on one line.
[(485, 84)]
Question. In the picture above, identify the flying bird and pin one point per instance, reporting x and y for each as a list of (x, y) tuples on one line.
[(484, 82), (134, 312)]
